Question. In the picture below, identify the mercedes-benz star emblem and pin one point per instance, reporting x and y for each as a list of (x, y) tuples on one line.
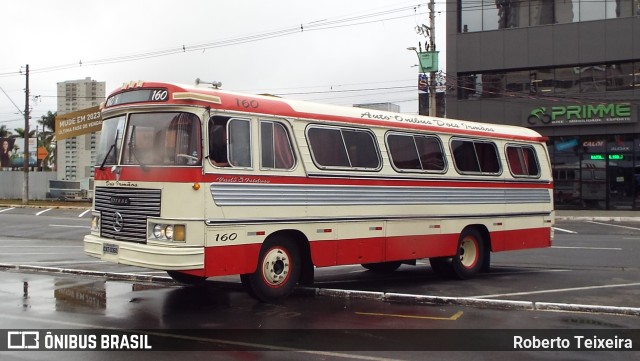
[(118, 222)]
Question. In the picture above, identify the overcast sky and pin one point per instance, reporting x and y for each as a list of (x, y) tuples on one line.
[(327, 51)]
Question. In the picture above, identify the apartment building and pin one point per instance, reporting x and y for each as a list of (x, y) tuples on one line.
[(77, 155)]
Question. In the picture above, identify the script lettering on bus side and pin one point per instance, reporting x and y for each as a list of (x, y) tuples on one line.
[(240, 179), (433, 122), (121, 184)]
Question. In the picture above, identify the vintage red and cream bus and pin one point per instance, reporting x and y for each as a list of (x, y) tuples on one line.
[(202, 182)]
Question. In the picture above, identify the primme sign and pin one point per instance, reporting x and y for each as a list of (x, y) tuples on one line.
[(580, 114)]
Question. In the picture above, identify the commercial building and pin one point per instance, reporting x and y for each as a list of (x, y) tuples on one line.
[(77, 155), (568, 69)]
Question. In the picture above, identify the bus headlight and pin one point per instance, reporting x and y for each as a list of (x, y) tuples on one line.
[(158, 231), (167, 232)]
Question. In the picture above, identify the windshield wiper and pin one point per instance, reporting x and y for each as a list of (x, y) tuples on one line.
[(111, 148), (133, 150)]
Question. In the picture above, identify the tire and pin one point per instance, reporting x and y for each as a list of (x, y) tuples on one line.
[(469, 259), (186, 278), (278, 271), (382, 267)]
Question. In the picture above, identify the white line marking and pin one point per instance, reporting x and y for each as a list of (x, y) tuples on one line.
[(558, 290), (7, 209), (591, 248), (614, 225), (32, 253), (41, 247), (85, 212), (41, 212), (564, 230), (27, 263)]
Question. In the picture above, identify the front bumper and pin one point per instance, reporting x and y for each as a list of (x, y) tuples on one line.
[(145, 255)]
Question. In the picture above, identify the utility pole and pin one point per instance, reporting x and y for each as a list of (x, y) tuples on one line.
[(25, 185), (432, 74)]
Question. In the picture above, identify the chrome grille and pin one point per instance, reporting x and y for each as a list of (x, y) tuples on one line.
[(124, 212)]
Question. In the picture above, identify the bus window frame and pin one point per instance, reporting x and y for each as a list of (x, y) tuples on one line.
[(535, 156), (290, 140), (413, 135), (480, 172), (250, 142), (340, 128)]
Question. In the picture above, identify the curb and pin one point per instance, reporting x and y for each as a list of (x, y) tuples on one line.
[(365, 295)]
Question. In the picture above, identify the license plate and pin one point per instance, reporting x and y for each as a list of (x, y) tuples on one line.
[(109, 248)]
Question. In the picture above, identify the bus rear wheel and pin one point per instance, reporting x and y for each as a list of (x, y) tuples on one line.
[(277, 273), (382, 267), (469, 259)]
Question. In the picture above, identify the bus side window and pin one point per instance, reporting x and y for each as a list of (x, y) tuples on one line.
[(218, 141), (413, 152), (240, 143), (327, 147), (522, 161), (474, 156), (333, 147), (276, 149)]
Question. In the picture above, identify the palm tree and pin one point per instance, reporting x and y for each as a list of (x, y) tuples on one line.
[(20, 133), (48, 121)]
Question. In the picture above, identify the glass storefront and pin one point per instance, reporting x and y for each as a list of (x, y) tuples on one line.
[(483, 15), (596, 172)]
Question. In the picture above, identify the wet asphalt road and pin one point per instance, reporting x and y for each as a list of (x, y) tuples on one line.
[(590, 263)]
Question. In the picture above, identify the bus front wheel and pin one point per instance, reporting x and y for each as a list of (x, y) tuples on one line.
[(277, 273)]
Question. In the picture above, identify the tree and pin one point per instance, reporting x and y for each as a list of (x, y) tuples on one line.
[(20, 133), (48, 121), (4, 132)]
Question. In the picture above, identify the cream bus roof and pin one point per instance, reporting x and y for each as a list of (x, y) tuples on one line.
[(273, 105)]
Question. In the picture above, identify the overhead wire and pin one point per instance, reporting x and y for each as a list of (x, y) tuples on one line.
[(327, 24)]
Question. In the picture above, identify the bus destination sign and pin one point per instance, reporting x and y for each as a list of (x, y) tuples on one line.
[(138, 96)]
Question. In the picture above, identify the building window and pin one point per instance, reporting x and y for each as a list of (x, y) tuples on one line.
[(583, 79), (484, 15)]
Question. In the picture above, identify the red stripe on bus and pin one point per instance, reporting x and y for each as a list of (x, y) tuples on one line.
[(191, 174)]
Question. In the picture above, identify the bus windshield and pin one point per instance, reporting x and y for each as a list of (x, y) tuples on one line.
[(162, 139), (110, 141)]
